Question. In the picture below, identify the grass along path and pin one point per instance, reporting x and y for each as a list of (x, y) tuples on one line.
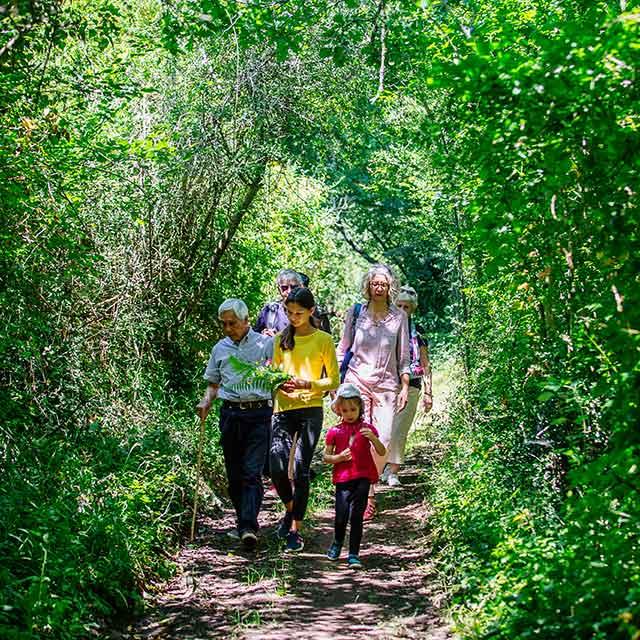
[(222, 591)]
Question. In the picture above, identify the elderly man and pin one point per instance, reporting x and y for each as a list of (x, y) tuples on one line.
[(245, 415)]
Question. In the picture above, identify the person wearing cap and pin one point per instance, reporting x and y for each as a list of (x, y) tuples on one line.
[(348, 449), (419, 378), (376, 336), (245, 415)]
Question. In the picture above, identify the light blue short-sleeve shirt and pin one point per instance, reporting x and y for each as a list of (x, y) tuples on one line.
[(255, 348)]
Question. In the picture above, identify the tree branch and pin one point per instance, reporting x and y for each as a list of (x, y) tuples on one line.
[(221, 249), (361, 252), (383, 51)]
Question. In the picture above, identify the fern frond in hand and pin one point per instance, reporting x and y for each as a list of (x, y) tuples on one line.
[(265, 378)]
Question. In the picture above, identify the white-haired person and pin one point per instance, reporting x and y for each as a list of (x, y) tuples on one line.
[(245, 415), (419, 379), (374, 356), (273, 316)]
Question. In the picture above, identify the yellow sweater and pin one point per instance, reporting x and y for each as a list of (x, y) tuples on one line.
[(309, 355)]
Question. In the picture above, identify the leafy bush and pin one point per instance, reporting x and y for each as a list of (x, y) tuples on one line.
[(87, 521)]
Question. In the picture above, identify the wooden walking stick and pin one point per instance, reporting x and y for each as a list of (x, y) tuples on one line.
[(198, 465)]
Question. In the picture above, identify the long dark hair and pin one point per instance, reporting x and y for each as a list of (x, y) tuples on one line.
[(305, 299)]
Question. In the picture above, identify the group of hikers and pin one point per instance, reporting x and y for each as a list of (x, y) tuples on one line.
[(375, 377)]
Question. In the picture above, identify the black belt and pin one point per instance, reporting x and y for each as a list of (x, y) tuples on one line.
[(246, 406)]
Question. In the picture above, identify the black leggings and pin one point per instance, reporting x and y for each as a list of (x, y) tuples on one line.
[(307, 423), (351, 499)]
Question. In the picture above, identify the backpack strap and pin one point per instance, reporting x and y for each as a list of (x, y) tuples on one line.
[(357, 308), (344, 365)]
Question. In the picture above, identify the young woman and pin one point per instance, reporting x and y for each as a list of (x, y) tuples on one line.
[(378, 338), (420, 378), (348, 448), (303, 352)]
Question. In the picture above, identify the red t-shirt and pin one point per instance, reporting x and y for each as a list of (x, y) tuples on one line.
[(361, 465)]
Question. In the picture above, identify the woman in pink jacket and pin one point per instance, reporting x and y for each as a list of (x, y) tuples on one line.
[(374, 351)]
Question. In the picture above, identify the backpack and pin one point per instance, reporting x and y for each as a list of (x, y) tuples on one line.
[(344, 365)]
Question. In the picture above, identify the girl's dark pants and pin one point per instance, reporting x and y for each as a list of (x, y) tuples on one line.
[(244, 436), (307, 423), (351, 500)]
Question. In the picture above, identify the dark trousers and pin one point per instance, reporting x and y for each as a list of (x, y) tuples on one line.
[(307, 423), (244, 440), (351, 502), (266, 467)]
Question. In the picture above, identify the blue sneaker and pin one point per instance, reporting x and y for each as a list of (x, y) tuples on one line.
[(354, 562), (285, 525), (334, 551), (294, 542)]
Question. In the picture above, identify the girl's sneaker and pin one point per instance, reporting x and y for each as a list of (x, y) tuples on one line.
[(384, 476), (334, 551), (295, 542), (354, 562)]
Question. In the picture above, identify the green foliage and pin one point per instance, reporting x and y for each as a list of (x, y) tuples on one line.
[(156, 158), (257, 376), (87, 519), (536, 498)]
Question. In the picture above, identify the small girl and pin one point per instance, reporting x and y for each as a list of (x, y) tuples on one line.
[(354, 469)]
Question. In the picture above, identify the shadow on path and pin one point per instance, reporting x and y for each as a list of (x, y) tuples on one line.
[(226, 592)]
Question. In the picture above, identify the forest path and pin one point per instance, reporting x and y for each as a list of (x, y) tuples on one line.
[(223, 591)]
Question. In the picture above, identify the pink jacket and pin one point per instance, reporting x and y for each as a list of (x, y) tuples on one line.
[(361, 465), (380, 350)]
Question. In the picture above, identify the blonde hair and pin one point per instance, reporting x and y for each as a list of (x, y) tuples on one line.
[(338, 401), (384, 270)]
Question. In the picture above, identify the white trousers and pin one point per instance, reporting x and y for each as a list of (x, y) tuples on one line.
[(380, 411), (401, 426)]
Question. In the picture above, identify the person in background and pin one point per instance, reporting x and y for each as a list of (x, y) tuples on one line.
[(320, 315), (309, 357), (377, 334), (273, 316), (245, 416), (348, 449), (419, 378)]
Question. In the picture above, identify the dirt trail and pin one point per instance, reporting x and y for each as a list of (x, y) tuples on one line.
[(223, 591)]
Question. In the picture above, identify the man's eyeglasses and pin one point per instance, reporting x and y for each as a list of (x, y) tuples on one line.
[(287, 287)]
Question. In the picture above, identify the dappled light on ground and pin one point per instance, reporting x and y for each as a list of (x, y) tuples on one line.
[(226, 592)]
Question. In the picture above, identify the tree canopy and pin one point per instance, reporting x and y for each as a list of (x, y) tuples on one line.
[(158, 157)]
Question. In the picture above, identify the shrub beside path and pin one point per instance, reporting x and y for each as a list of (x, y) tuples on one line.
[(222, 591)]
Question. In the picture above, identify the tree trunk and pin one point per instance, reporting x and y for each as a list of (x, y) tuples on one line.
[(223, 244)]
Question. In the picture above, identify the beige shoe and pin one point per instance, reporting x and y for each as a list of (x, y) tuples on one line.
[(393, 480)]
